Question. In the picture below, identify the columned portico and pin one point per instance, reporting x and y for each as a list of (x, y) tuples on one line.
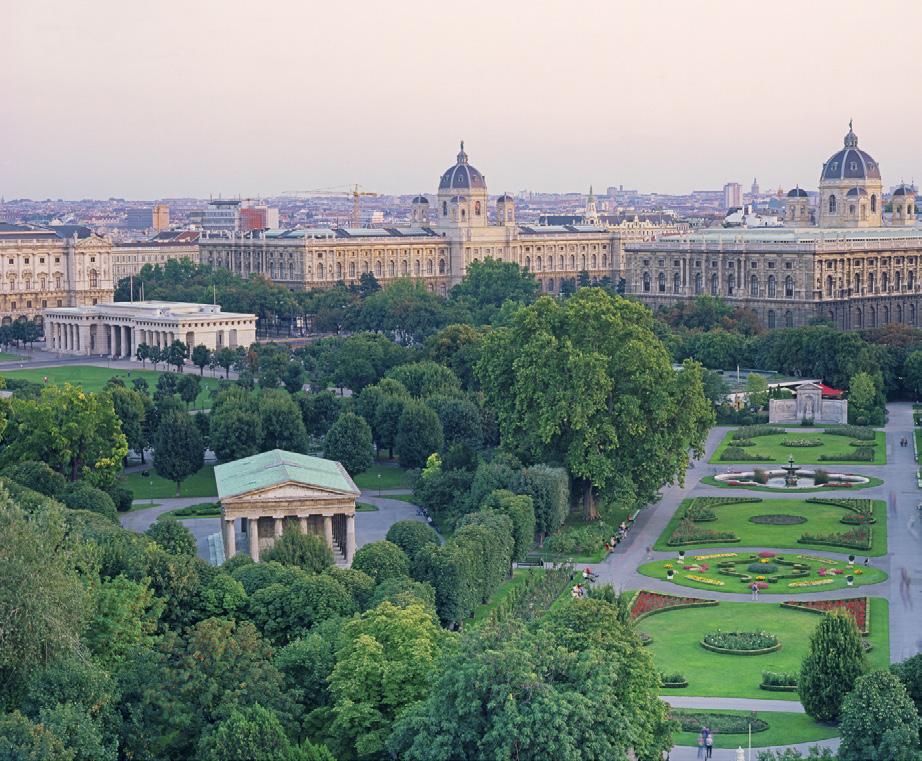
[(278, 491)]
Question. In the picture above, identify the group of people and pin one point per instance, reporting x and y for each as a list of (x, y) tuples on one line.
[(582, 589), (616, 539), (904, 442), (705, 743)]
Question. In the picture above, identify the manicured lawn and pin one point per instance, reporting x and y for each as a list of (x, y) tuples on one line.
[(200, 510), (200, 484), (832, 445), (820, 519), (91, 378), (399, 497), (918, 434), (711, 481), (7, 357), (364, 507), (519, 576), (723, 583), (677, 633), (380, 476), (783, 729)]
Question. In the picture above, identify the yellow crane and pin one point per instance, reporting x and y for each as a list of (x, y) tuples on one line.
[(355, 190)]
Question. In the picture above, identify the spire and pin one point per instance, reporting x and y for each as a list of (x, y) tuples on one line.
[(851, 139), (462, 156)]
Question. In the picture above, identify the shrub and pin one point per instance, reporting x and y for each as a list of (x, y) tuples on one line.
[(764, 568), (860, 506), (37, 476), (853, 431), (411, 536), (673, 680), (122, 496), (820, 477), (382, 560), (307, 551), (688, 533), (806, 422), (832, 665), (349, 442), (582, 540), (879, 720), (802, 443), (82, 496), (858, 538), (760, 475), (175, 538), (743, 443), (699, 512), (777, 519), (719, 723), (778, 681), (738, 453), (740, 641), (752, 431)]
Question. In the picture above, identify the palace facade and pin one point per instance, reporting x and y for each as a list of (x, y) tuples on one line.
[(838, 262), (436, 248)]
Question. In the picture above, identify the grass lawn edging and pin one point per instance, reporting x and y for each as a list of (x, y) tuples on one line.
[(711, 481), (729, 651)]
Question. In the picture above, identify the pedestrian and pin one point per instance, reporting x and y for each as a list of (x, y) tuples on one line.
[(755, 590), (867, 562), (700, 745), (709, 745), (649, 552)]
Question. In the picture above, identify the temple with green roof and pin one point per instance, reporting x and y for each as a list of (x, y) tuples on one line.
[(277, 491)]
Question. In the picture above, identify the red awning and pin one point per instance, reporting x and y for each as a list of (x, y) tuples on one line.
[(830, 391)]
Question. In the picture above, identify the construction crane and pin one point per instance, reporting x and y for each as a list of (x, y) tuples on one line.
[(355, 191)]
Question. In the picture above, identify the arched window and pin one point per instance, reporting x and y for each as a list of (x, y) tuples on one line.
[(872, 282), (595, 262), (872, 317), (477, 208), (320, 271), (828, 286), (851, 209), (351, 269), (463, 213), (731, 283), (582, 262), (899, 313), (444, 208), (771, 318), (604, 260), (364, 267), (404, 268), (538, 264), (572, 262), (714, 284), (910, 280), (550, 285), (378, 269), (528, 262), (441, 266), (698, 283), (339, 271), (676, 283), (429, 266), (885, 316), (94, 280), (873, 203), (391, 269), (789, 287), (789, 319), (771, 286), (898, 280), (416, 268), (661, 282), (753, 286), (832, 204), (560, 262), (857, 283), (884, 281), (858, 317), (912, 314), (646, 282)]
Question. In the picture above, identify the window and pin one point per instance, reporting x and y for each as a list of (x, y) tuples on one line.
[(646, 282), (477, 209), (698, 283), (661, 282), (873, 203), (771, 318), (857, 282), (676, 283), (731, 283), (910, 280), (441, 266), (771, 286), (829, 286), (912, 314), (789, 265), (351, 269), (676, 263), (714, 284), (832, 204), (444, 209), (429, 266), (94, 279), (871, 282), (789, 287), (789, 319), (884, 281), (753, 265), (753, 286)]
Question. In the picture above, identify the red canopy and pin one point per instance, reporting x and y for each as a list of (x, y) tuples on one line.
[(830, 391)]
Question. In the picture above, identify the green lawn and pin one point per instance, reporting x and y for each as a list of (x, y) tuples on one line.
[(821, 519), (832, 445), (918, 434), (711, 481), (364, 507), (200, 484), (723, 583), (783, 729), (380, 476), (677, 633), (192, 512), (519, 576), (7, 357), (92, 378)]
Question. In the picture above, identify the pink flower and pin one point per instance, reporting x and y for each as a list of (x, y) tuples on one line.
[(822, 572)]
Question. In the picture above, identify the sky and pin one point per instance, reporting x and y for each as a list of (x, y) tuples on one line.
[(205, 97)]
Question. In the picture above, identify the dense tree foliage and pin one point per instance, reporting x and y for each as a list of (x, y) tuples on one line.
[(178, 448), (833, 664), (879, 721), (349, 442)]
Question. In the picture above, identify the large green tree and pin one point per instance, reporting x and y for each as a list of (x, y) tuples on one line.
[(349, 442), (235, 431), (879, 721), (488, 284), (588, 383), (833, 664), (419, 434), (178, 448), (282, 425)]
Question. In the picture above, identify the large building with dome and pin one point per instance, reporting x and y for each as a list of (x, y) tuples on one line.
[(854, 260), (442, 240)]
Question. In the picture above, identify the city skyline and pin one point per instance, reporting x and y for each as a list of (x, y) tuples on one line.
[(209, 101)]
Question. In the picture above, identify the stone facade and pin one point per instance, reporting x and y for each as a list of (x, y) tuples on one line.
[(129, 258), (808, 404), (61, 266), (116, 329)]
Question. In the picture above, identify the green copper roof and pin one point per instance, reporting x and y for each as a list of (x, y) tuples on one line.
[(279, 467)]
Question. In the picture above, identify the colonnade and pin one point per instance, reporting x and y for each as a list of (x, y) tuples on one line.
[(340, 539), (107, 339)]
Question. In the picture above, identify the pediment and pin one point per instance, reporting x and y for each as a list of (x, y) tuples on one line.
[(293, 491), (808, 387), (91, 241)]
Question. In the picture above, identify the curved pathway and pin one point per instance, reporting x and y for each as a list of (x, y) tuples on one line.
[(904, 537)]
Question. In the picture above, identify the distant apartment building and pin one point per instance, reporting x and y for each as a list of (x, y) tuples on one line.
[(733, 195), (221, 216), (258, 217), (156, 218), (128, 258), (49, 267)]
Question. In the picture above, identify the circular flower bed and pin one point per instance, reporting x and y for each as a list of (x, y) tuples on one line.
[(767, 554), (741, 643), (778, 519), (802, 443)]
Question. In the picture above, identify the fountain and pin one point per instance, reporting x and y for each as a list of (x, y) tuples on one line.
[(790, 473), (790, 476)]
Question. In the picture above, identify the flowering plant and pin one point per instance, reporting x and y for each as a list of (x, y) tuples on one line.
[(858, 607), (811, 583), (766, 554), (760, 578), (716, 555), (704, 580)]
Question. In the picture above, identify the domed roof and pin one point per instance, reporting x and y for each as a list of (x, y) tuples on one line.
[(904, 190), (457, 199), (462, 176), (505, 198), (857, 192), (421, 199), (851, 163), (797, 193)]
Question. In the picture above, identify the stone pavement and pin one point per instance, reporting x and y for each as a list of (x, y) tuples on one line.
[(899, 490)]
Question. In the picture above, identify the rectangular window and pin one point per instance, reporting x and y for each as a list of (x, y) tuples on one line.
[(753, 265), (789, 265), (771, 265)]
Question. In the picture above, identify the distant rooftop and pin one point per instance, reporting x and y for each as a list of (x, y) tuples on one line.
[(277, 467)]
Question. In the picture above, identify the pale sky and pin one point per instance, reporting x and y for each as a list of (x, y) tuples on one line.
[(196, 97)]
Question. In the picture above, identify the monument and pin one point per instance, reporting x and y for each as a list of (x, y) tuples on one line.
[(808, 404)]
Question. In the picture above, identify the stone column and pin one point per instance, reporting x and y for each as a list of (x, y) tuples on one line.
[(84, 332), (116, 340), (230, 540), (302, 524), (350, 538), (253, 534), (126, 341), (328, 530), (279, 527)]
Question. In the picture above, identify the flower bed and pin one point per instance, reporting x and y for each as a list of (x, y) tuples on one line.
[(686, 532), (773, 681), (738, 454), (863, 507), (704, 580), (859, 432), (752, 431), (802, 443), (647, 603), (714, 555), (858, 538), (777, 519), (811, 583), (858, 607), (741, 643), (719, 723), (673, 681)]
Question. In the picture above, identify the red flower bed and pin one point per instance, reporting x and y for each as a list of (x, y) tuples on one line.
[(859, 607), (766, 554), (647, 603)]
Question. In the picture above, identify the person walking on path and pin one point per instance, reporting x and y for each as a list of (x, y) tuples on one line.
[(700, 745), (755, 590), (709, 745)]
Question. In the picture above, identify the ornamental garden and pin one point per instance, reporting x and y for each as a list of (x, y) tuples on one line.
[(773, 444)]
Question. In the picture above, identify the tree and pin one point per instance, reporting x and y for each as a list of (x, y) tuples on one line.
[(419, 434), (715, 387), (82, 496), (833, 664), (349, 442), (306, 551), (318, 411), (76, 433), (549, 489), (912, 370), (460, 421), (757, 391), (247, 734), (235, 432), (176, 355), (155, 355), (36, 476), (131, 411), (489, 283), (284, 612), (225, 357), (586, 382), (187, 386), (82, 736), (201, 358), (412, 536), (123, 616), (23, 739), (142, 353), (457, 347), (383, 667), (178, 448), (521, 511), (450, 569), (865, 400), (879, 721), (382, 560), (42, 597), (909, 672), (281, 423), (790, 754), (170, 534), (425, 379)]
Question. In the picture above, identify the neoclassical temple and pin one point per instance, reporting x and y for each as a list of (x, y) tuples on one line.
[(117, 328), (277, 491)]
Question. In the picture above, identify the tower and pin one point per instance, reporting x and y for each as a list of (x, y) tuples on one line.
[(850, 188), (462, 197), (797, 208), (903, 204), (419, 213), (505, 210), (591, 217)]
